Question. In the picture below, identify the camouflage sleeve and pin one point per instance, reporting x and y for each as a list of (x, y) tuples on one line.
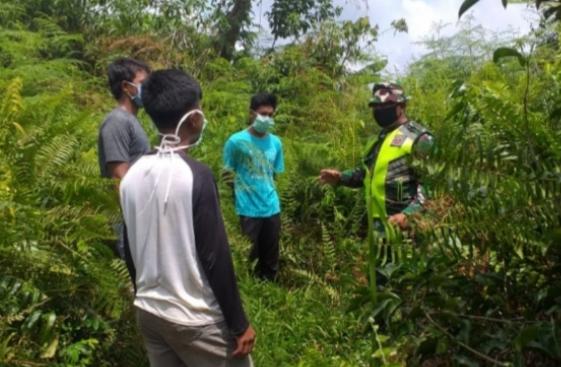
[(417, 204), (353, 177), (424, 145)]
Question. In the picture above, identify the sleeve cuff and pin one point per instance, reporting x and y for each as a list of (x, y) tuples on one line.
[(241, 329), (412, 209), (346, 176)]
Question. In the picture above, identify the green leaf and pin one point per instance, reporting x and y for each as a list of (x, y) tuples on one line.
[(552, 10), (465, 6), (50, 350), (32, 320), (527, 335), (384, 352), (47, 326), (556, 113), (503, 52), (505, 3)]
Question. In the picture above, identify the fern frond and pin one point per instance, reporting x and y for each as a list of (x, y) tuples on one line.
[(51, 158), (315, 279), (10, 107)]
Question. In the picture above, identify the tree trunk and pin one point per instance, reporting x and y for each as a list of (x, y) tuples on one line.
[(236, 17)]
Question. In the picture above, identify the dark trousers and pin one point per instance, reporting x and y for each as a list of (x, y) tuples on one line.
[(264, 234), (119, 246)]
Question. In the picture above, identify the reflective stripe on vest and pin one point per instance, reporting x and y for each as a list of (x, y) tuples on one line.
[(397, 144)]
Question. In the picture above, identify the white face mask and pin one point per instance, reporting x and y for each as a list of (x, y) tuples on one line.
[(263, 124)]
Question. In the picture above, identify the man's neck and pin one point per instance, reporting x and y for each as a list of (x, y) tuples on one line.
[(402, 120), (184, 141), (126, 104), (254, 132)]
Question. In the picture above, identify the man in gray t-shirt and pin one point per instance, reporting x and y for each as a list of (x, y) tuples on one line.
[(121, 138)]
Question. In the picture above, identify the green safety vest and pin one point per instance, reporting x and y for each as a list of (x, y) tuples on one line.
[(391, 170)]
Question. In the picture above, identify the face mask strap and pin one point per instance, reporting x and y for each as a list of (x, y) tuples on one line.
[(184, 118), (137, 86), (257, 114), (169, 143)]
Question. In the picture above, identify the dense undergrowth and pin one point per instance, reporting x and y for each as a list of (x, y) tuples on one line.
[(481, 285)]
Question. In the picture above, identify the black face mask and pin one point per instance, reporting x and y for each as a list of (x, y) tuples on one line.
[(385, 116)]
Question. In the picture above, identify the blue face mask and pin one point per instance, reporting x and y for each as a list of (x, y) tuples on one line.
[(137, 98), (263, 124)]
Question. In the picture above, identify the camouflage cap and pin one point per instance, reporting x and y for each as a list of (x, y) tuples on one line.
[(387, 93)]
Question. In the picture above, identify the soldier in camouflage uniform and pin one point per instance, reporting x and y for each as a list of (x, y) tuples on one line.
[(393, 190)]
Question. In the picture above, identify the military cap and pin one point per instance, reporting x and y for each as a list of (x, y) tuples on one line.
[(383, 93)]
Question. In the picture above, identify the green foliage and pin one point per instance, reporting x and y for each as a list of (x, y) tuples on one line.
[(550, 8), (476, 282), (335, 45), (466, 5), (289, 18), (508, 52), (487, 238), (59, 298), (400, 25)]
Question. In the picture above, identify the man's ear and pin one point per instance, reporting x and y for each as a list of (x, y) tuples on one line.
[(400, 110), (125, 87), (194, 120), (252, 116)]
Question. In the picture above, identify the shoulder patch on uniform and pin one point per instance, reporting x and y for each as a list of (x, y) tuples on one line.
[(398, 141)]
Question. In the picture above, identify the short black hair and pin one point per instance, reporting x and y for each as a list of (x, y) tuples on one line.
[(263, 99), (123, 69), (168, 94)]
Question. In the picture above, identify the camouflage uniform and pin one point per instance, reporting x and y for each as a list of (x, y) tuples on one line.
[(386, 169)]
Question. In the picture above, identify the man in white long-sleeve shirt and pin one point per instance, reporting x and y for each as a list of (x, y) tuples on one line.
[(188, 306)]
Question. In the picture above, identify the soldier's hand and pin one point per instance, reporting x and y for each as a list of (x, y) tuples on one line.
[(399, 220), (329, 176)]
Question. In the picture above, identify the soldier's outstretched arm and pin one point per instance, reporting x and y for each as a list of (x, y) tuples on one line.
[(353, 177)]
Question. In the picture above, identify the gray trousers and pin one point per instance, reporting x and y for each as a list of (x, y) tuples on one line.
[(172, 345)]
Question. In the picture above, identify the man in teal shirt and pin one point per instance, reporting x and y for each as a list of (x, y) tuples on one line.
[(254, 155)]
